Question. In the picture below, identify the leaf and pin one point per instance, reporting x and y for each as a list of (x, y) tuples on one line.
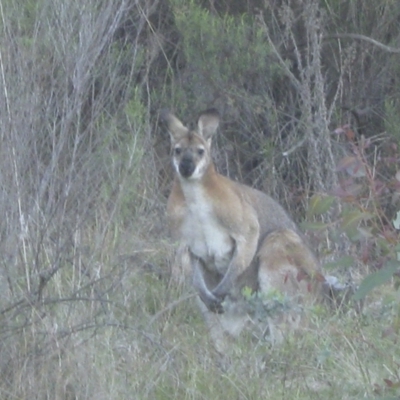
[(354, 235), (247, 292), (365, 233), (343, 262), (388, 382), (348, 190), (375, 279), (313, 226), (392, 385), (319, 205), (353, 217)]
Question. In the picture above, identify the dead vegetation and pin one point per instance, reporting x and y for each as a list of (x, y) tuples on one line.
[(309, 94)]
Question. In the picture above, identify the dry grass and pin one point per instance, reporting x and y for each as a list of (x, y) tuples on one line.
[(132, 333), (87, 307), (122, 346)]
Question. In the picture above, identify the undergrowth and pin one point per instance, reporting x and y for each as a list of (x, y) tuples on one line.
[(87, 306)]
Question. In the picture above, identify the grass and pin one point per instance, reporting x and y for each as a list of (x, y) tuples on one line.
[(135, 339), (87, 309)]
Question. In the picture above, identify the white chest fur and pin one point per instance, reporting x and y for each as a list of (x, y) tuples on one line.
[(205, 236)]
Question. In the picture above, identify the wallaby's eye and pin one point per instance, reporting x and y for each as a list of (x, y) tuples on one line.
[(177, 151), (200, 152)]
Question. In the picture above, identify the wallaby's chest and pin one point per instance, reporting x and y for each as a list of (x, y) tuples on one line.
[(206, 237)]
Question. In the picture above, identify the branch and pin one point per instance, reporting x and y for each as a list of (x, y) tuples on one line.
[(366, 39)]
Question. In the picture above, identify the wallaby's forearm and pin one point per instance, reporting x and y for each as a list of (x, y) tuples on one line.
[(212, 302), (230, 277)]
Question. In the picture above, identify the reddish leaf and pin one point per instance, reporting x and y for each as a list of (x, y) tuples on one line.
[(348, 190), (350, 135), (301, 275), (379, 186), (388, 382), (391, 384), (345, 130), (377, 389), (365, 254), (286, 277), (319, 277)]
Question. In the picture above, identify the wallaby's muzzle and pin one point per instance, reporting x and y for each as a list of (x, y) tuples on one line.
[(187, 166)]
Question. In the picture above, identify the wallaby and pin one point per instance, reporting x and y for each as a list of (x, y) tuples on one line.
[(236, 236)]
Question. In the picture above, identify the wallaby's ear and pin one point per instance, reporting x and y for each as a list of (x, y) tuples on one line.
[(175, 127), (208, 123)]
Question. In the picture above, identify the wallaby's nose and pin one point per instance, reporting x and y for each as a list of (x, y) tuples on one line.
[(186, 166)]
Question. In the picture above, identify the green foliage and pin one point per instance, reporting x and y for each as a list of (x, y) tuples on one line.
[(314, 226), (344, 262), (392, 119), (319, 205), (376, 279), (85, 308), (361, 217), (123, 150), (264, 305), (227, 53), (225, 49), (23, 15)]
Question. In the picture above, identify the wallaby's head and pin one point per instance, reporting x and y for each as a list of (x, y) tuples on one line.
[(191, 149)]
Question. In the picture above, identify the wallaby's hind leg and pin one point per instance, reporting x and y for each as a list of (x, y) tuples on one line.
[(287, 266)]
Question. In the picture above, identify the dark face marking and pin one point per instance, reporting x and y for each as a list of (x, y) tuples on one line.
[(187, 165), (190, 156)]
